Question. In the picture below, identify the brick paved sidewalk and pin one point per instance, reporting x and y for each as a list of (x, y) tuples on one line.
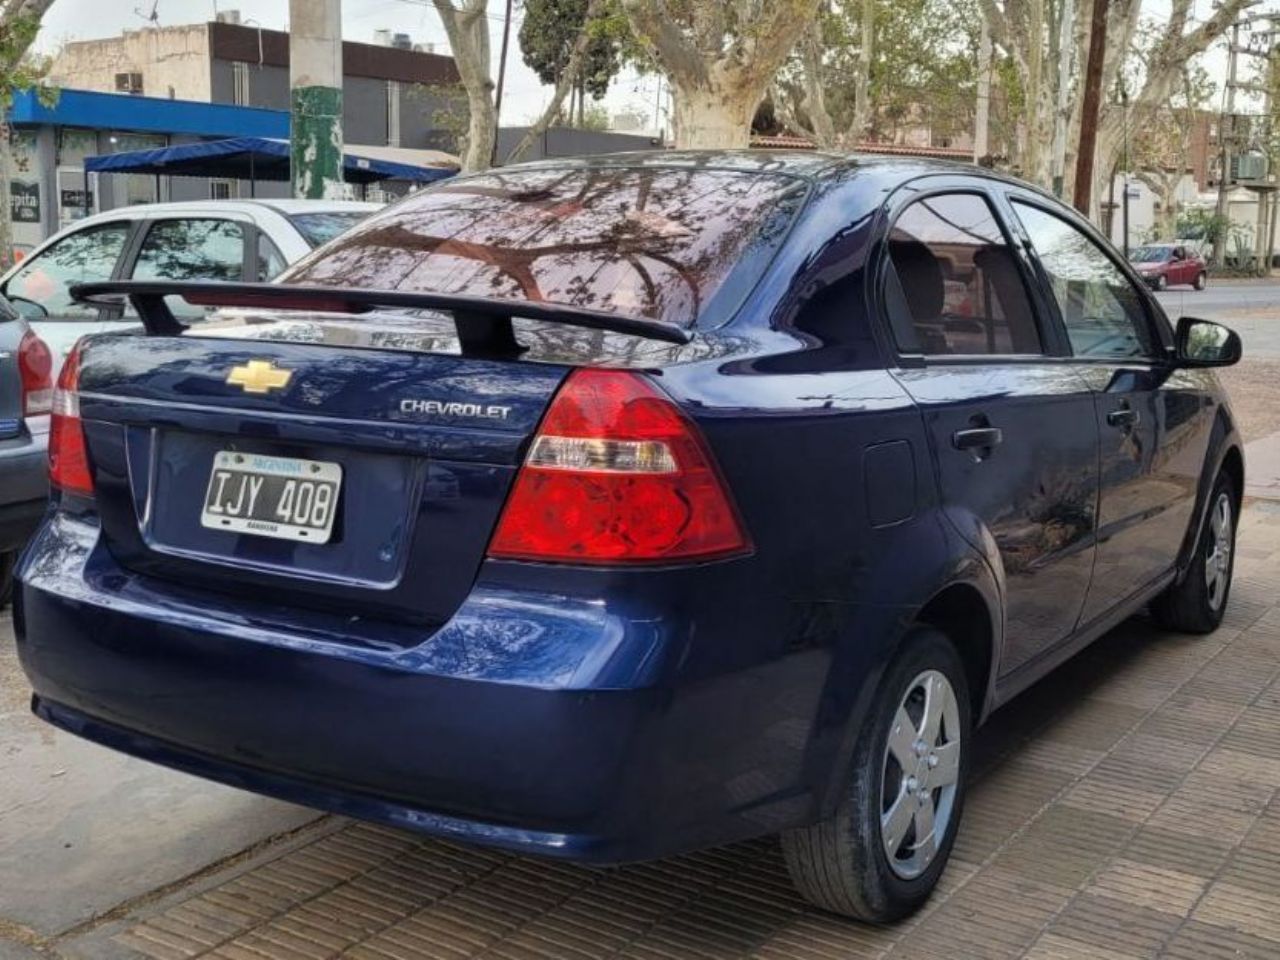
[(1126, 808)]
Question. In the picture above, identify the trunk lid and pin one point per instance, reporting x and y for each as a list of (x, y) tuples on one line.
[(427, 445)]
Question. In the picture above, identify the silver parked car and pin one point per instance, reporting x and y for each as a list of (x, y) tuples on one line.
[(201, 240), (26, 393)]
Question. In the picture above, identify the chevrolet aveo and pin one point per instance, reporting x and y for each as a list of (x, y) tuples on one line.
[(609, 509)]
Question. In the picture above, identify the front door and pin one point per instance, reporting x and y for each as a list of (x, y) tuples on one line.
[(41, 288), (1011, 425), (1150, 416)]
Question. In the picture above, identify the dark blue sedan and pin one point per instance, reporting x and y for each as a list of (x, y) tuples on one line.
[(610, 509)]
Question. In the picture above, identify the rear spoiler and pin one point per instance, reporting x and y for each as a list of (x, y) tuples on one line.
[(483, 323)]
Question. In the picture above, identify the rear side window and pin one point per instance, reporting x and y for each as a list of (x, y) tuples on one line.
[(1101, 309), (320, 228), (961, 288), (79, 258), (653, 243)]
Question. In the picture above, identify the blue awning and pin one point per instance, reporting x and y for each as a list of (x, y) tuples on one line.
[(252, 158)]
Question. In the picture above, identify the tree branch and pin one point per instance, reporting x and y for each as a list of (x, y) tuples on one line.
[(568, 77)]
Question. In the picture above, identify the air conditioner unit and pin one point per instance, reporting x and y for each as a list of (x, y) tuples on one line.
[(229, 16), (1249, 166), (128, 83), (402, 41)]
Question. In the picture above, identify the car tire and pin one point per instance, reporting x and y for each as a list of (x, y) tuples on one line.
[(7, 563), (1201, 281), (1197, 602), (1161, 282), (843, 864)]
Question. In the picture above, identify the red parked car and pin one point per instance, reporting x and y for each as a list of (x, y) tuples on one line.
[(1164, 264)]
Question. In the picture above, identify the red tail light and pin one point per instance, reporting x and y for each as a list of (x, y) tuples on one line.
[(68, 459), (35, 372), (617, 474)]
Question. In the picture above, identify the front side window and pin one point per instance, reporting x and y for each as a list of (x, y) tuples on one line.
[(84, 256), (1101, 309), (960, 283)]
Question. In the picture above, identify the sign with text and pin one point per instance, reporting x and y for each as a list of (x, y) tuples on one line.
[(24, 201)]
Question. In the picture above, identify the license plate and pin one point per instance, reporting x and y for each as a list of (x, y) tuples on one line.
[(282, 497)]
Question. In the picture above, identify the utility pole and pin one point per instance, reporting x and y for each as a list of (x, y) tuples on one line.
[(1092, 103), (1226, 134), (315, 81), (1124, 105), (982, 123), (1065, 46), (502, 82)]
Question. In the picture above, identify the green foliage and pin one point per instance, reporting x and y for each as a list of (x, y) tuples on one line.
[(1201, 223), (595, 117), (18, 70), (923, 67), (550, 29)]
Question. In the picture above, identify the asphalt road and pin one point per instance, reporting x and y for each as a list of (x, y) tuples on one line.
[(1252, 309)]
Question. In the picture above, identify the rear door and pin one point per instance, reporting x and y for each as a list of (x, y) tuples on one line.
[(1152, 418), (1014, 437)]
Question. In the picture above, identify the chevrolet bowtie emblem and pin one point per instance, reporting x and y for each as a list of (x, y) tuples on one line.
[(259, 376)]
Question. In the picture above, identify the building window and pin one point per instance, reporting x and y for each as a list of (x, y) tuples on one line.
[(393, 113), (240, 83), (224, 189)]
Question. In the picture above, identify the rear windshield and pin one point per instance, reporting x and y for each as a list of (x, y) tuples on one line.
[(654, 243), (320, 228)]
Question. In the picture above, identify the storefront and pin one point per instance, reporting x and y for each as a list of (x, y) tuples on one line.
[(47, 182)]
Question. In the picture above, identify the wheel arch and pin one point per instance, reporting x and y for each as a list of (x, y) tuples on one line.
[(1226, 456), (962, 612)]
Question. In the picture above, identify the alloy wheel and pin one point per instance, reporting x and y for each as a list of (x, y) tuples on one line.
[(921, 773), (1217, 561)]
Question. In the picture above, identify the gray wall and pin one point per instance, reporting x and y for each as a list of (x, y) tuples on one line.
[(571, 142), (364, 103)]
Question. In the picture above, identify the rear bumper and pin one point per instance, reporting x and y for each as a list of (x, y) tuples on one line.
[(535, 723)]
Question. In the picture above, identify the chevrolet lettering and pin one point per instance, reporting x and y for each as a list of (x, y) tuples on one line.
[(442, 408)]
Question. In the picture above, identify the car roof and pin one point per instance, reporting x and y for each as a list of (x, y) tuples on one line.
[(284, 207), (810, 164)]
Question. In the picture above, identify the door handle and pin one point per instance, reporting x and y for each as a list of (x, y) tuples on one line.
[(977, 438), (1123, 417)]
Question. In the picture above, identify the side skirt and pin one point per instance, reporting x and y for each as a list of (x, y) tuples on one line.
[(1010, 686)]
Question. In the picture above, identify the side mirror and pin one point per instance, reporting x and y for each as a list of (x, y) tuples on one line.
[(1203, 343)]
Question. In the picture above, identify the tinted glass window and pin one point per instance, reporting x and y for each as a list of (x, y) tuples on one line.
[(1101, 309), (651, 243), (270, 260), (191, 250), (87, 255), (319, 228), (1150, 255), (961, 285)]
